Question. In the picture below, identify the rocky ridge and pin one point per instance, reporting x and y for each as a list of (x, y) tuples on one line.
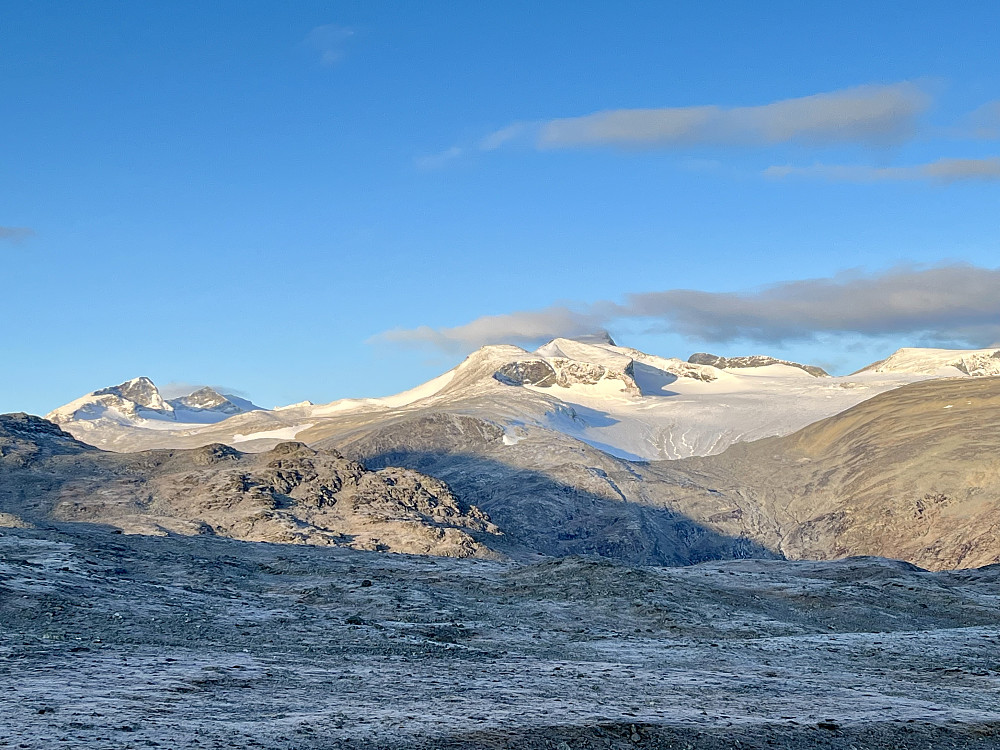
[(290, 494), (755, 360)]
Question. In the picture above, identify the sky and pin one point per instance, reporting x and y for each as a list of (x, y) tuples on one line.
[(320, 200)]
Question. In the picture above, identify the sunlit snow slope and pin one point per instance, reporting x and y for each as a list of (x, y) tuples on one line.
[(631, 404)]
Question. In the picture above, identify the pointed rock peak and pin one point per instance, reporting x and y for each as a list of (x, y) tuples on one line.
[(203, 398), (140, 391), (208, 399)]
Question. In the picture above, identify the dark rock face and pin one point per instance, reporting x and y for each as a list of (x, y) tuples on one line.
[(578, 373), (28, 426), (24, 436), (214, 453), (755, 360), (536, 372), (563, 372)]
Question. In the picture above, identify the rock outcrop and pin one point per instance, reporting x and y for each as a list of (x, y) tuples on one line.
[(291, 494)]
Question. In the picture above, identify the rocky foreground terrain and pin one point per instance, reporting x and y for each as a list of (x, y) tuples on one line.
[(126, 641), (291, 494)]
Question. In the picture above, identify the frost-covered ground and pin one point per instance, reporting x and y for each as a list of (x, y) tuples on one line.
[(112, 641)]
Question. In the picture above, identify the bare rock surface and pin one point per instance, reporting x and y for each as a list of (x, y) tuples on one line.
[(117, 641), (291, 494), (753, 360)]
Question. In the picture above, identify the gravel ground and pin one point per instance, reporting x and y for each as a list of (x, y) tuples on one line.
[(115, 641)]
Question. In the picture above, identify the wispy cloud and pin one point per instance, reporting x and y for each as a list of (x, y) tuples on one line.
[(16, 234), (871, 115), (957, 303), (330, 42), (434, 161), (524, 327), (501, 137), (943, 170), (985, 121)]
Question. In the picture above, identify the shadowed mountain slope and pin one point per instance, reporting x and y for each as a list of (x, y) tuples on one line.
[(911, 474), (302, 495)]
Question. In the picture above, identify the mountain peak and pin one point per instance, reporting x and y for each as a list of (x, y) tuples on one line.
[(203, 398), (138, 400), (208, 399), (141, 391)]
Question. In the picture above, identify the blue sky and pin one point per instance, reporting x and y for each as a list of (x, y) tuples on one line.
[(320, 200)]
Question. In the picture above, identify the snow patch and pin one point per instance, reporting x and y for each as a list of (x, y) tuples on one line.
[(283, 433)]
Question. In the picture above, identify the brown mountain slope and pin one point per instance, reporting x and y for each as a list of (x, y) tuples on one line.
[(912, 474)]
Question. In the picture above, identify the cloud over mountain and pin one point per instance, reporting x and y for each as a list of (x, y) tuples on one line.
[(959, 302)]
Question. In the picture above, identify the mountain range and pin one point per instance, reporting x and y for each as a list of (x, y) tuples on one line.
[(575, 448), (622, 401)]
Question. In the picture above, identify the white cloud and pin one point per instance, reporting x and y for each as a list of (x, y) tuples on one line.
[(514, 328), (872, 115)]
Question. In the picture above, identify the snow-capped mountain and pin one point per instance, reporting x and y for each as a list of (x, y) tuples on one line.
[(623, 401), (940, 362), (137, 403)]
